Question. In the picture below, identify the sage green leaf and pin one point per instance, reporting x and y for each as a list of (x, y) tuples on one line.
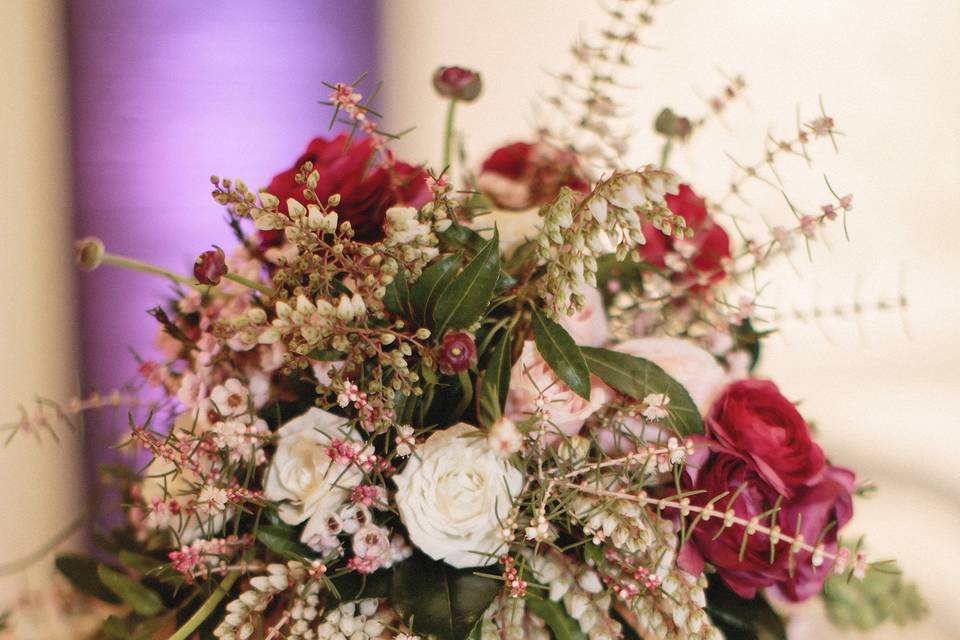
[(439, 599), (561, 353), (139, 562), (431, 283), (397, 296), (636, 378), (283, 541), (740, 618), (496, 381), (561, 624), (117, 628), (463, 237), (81, 571), (140, 598), (466, 298)]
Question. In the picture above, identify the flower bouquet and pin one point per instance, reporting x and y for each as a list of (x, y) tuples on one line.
[(510, 402)]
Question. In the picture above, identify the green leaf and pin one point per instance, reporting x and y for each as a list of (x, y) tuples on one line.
[(561, 353), (637, 378), (740, 618), (561, 624), (397, 297), (463, 237), (440, 599), (496, 381), (326, 355), (282, 540), (467, 297), (117, 628), (140, 598), (81, 571), (355, 586), (881, 595), (431, 283), (139, 562)]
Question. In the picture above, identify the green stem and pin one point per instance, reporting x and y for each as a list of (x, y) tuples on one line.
[(448, 134), (145, 267), (467, 386), (206, 608), (665, 153)]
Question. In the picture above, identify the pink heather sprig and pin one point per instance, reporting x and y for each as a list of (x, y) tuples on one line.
[(368, 495), (518, 587), (626, 579), (201, 556), (359, 454)]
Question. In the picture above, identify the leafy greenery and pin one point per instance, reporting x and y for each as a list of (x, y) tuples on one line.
[(636, 377), (740, 618), (561, 353), (140, 598), (397, 297), (431, 283), (81, 571), (865, 604), (562, 626), (283, 540), (496, 381), (438, 599), (466, 298)]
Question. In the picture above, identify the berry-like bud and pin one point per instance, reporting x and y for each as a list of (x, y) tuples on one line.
[(210, 266), (457, 83), (89, 253), (458, 352), (671, 125)]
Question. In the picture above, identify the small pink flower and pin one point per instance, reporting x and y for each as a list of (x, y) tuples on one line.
[(371, 548)]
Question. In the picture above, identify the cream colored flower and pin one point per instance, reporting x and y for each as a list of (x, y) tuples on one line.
[(453, 494), (302, 477)]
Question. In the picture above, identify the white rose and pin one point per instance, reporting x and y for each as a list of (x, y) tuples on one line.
[(515, 227), (588, 326), (534, 387), (694, 368), (453, 494), (308, 482)]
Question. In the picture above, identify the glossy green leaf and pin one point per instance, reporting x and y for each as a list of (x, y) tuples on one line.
[(431, 283), (740, 618), (282, 540), (464, 237), (81, 571), (397, 296), (561, 353), (466, 298), (354, 586), (636, 378), (496, 381), (562, 626), (439, 599), (140, 598), (138, 562)]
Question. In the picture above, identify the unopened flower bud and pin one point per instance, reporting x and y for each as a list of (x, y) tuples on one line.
[(333, 200), (458, 352), (210, 266), (89, 253), (671, 125), (423, 333), (457, 83)]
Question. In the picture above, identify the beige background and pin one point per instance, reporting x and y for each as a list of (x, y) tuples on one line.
[(883, 398), (40, 484)]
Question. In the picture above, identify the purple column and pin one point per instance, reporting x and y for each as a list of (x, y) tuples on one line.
[(165, 94)]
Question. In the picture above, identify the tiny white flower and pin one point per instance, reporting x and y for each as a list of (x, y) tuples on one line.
[(656, 406), (231, 398)]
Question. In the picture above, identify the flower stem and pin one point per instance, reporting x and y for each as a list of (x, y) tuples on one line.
[(448, 134), (665, 153), (145, 267), (206, 608)]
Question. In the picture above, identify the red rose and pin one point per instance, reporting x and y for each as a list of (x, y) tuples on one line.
[(752, 419), (708, 247), (821, 510), (366, 189), (457, 83), (523, 175)]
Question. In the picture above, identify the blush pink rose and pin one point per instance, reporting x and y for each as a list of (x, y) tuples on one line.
[(694, 368), (588, 327), (534, 387)]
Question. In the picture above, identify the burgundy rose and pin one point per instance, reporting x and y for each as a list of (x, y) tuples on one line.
[(821, 510), (457, 83), (210, 266), (366, 189), (752, 419), (523, 175), (458, 352), (707, 249)]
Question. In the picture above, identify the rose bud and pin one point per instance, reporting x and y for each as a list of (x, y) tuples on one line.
[(458, 352), (457, 83), (671, 125), (89, 253), (210, 266)]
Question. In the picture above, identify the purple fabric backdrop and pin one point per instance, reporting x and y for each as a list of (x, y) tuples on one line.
[(165, 94)]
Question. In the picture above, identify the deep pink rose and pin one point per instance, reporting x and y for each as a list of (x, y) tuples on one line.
[(523, 175), (457, 83), (752, 419), (366, 189), (821, 509), (706, 250)]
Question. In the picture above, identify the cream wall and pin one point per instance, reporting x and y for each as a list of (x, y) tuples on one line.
[(883, 397), (39, 483)]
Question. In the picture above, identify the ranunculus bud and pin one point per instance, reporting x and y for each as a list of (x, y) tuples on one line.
[(210, 266), (457, 83), (89, 253), (671, 125), (458, 352)]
